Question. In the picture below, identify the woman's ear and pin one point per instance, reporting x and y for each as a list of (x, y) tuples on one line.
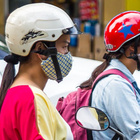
[(38, 47)]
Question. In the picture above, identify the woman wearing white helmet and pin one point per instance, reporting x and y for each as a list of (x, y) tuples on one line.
[(38, 36)]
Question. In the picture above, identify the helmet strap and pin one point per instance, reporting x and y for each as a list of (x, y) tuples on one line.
[(55, 62), (57, 68), (48, 52), (132, 56)]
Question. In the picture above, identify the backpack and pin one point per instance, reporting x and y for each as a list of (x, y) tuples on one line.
[(68, 106)]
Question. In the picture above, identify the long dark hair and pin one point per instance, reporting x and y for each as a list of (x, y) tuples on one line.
[(9, 74), (108, 56)]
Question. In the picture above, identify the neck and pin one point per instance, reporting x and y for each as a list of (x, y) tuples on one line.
[(31, 75), (129, 63)]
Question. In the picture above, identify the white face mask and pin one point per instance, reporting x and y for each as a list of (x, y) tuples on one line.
[(65, 63)]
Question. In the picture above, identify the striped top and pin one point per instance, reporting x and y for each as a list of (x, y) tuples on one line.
[(28, 114)]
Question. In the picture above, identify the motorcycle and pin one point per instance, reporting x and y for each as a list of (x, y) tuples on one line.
[(94, 119)]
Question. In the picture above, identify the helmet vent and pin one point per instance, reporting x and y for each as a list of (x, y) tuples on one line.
[(24, 51), (53, 35)]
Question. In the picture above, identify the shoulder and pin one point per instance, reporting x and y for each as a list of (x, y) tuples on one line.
[(22, 92), (113, 79), (19, 99), (117, 81), (114, 84)]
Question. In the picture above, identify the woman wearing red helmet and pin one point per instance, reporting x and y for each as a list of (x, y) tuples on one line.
[(113, 94)]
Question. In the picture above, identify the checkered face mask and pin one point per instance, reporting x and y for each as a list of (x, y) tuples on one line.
[(65, 63)]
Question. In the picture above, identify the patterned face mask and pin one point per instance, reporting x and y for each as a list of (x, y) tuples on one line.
[(65, 63)]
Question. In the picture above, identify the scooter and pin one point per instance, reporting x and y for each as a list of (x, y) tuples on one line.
[(94, 119)]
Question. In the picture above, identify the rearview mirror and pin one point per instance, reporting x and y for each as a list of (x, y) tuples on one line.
[(92, 118)]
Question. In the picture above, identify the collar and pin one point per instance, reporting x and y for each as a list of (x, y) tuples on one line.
[(115, 63)]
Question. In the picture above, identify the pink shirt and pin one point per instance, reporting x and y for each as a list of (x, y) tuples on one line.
[(21, 116)]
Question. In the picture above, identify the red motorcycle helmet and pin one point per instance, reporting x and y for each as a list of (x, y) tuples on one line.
[(122, 28)]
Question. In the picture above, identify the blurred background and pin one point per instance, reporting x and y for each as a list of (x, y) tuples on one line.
[(91, 17)]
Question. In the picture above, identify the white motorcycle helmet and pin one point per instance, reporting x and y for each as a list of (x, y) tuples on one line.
[(36, 22)]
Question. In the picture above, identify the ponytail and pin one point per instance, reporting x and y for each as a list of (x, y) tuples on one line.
[(8, 76), (88, 83)]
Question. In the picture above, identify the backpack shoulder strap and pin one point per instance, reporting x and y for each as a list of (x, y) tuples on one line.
[(105, 74)]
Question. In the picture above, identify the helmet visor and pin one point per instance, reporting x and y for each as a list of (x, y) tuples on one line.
[(72, 30)]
